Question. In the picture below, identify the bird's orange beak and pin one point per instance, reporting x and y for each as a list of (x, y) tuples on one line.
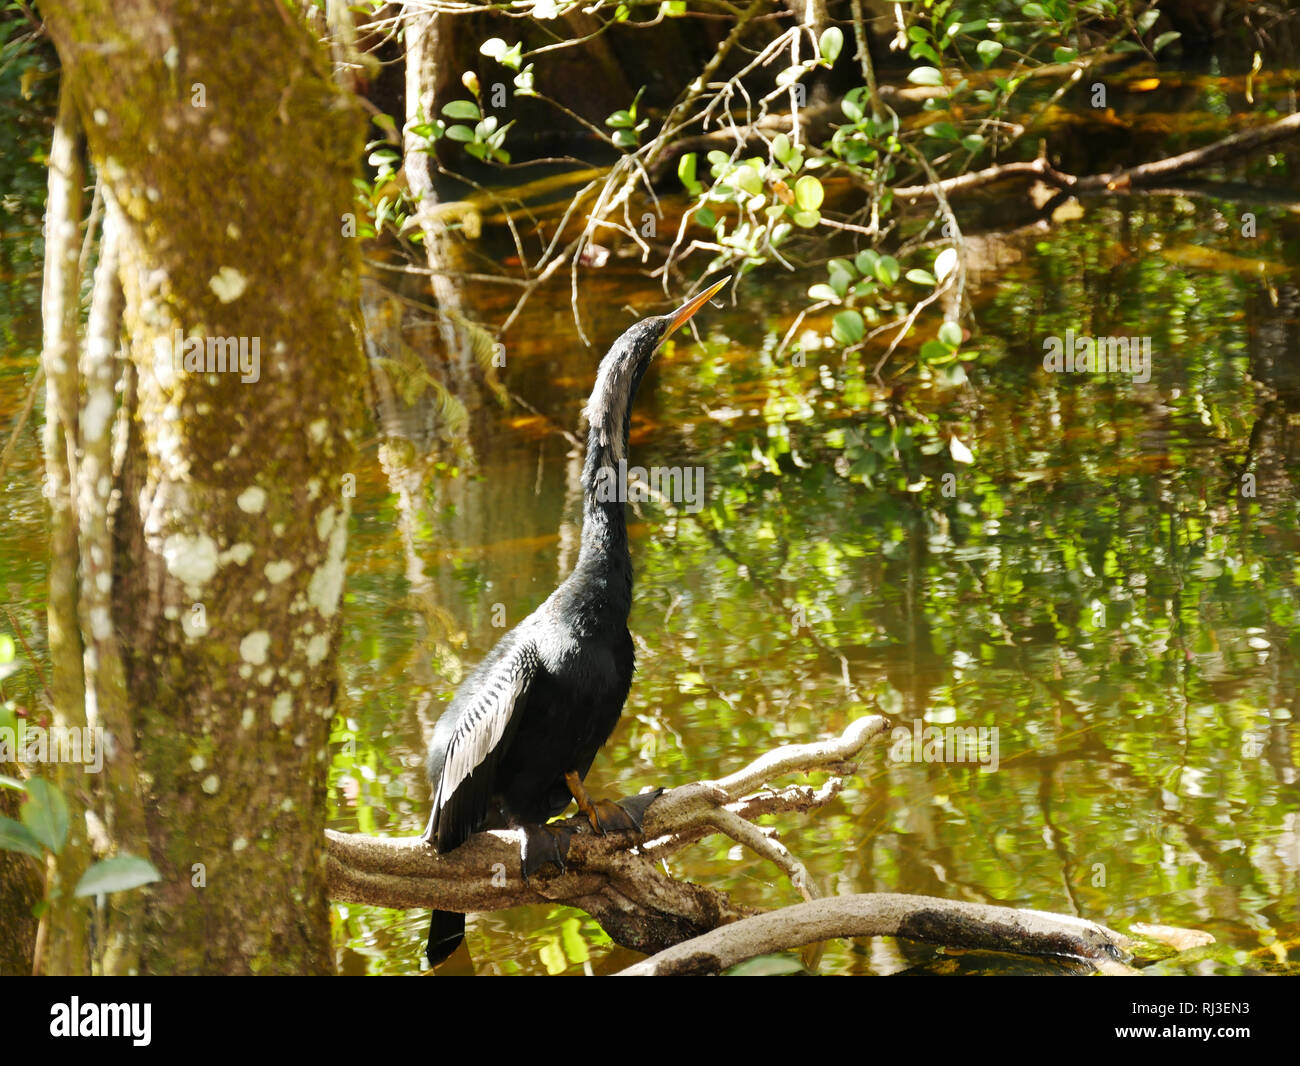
[(682, 315)]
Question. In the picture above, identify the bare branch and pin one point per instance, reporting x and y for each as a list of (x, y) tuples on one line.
[(933, 921), (614, 878)]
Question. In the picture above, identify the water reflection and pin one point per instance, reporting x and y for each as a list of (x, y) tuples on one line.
[(1110, 585)]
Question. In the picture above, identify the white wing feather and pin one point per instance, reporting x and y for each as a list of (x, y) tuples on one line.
[(483, 723)]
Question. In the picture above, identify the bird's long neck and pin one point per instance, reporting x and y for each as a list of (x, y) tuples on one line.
[(604, 562)]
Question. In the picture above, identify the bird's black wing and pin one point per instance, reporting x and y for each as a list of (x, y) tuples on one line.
[(480, 731)]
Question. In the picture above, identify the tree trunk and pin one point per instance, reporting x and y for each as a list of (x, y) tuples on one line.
[(229, 154)]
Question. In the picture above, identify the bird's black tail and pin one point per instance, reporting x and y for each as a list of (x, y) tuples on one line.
[(446, 931)]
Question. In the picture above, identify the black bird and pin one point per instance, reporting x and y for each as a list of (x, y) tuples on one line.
[(512, 748)]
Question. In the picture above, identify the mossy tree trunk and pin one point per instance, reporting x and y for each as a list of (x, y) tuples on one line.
[(228, 153)]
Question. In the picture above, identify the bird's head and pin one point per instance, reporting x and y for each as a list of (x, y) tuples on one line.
[(621, 371)]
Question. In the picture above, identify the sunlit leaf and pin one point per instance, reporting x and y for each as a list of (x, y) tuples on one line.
[(462, 109), (831, 43), (848, 328), (950, 334), (117, 874), (887, 270), (808, 193)]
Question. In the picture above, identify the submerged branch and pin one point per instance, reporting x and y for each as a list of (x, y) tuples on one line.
[(974, 926)]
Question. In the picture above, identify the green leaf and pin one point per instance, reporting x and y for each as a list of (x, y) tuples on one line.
[(46, 814), (1034, 11), (625, 138), (462, 109), (1164, 39), (807, 219), (17, 837), (748, 179), (945, 263), (1065, 55), (118, 874), (620, 120), (686, 173), (950, 334), (808, 194), (924, 51), (925, 76), (935, 352), (887, 270), (7, 649), (848, 328), (460, 133), (831, 43), (706, 217), (1147, 19), (781, 151), (866, 262), (822, 291), (988, 51), (945, 131), (972, 142), (12, 782), (921, 277)]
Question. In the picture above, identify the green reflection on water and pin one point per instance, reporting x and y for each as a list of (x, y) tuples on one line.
[(1095, 586)]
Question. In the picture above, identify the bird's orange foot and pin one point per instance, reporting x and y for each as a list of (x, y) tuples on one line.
[(610, 816)]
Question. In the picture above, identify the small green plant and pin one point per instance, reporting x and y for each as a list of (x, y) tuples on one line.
[(44, 830), (627, 129)]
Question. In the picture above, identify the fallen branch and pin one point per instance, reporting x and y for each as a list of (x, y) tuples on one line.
[(1235, 144), (975, 926), (614, 878)]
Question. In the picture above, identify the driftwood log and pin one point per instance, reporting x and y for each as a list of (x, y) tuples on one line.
[(972, 926)]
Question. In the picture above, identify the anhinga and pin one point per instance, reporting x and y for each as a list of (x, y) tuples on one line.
[(512, 748)]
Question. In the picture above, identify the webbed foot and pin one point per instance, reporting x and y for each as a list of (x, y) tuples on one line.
[(610, 815), (543, 844)]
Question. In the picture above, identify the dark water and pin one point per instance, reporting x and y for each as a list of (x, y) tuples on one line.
[(1110, 584)]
